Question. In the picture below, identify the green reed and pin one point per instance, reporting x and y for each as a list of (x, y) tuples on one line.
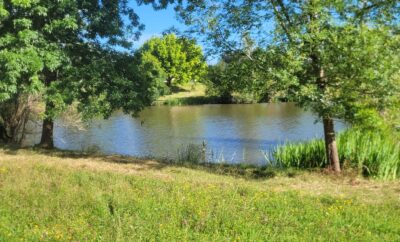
[(192, 154), (373, 153)]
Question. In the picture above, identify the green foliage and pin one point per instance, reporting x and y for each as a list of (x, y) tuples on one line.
[(338, 57), (111, 80), (180, 58), (237, 73), (308, 154), (50, 47), (218, 83), (373, 153), (20, 65), (361, 77)]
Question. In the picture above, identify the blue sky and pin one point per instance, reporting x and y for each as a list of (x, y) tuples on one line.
[(155, 21)]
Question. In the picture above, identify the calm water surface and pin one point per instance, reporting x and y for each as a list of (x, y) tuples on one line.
[(234, 133)]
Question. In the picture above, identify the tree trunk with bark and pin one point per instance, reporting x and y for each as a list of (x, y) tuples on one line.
[(48, 123), (317, 70), (332, 154), (47, 132), (331, 150)]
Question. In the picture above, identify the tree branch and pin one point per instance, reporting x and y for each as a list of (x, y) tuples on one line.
[(281, 20)]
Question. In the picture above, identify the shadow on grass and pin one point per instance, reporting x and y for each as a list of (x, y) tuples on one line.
[(10, 149), (195, 100), (245, 171), (176, 89)]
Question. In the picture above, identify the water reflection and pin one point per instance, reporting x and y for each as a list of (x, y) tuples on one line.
[(236, 132)]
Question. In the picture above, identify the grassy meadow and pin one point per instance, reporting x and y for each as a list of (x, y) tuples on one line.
[(63, 196)]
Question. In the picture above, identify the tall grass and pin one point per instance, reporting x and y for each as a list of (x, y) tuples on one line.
[(373, 153), (192, 154)]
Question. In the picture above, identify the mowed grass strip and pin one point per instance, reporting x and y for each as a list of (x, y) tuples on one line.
[(52, 197)]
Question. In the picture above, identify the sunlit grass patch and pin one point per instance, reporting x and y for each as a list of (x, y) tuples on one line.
[(67, 197)]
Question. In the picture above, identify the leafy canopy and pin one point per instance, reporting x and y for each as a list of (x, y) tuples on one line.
[(180, 58), (50, 47), (235, 73), (343, 55)]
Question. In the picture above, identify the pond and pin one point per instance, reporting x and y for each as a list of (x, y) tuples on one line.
[(231, 133)]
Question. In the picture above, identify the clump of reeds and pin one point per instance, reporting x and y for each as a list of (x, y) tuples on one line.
[(374, 153), (192, 154)]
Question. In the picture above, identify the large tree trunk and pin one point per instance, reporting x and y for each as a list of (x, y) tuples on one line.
[(47, 134), (48, 123), (332, 154)]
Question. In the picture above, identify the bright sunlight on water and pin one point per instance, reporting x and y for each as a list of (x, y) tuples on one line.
[(232, 133)]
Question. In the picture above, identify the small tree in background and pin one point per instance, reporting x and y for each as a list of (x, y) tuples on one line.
[(180, 58)]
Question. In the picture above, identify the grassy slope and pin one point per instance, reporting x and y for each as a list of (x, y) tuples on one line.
[(60, 196), (186, 90), (184, 95)]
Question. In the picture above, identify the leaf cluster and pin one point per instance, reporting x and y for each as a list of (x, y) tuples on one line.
[(180, 58)]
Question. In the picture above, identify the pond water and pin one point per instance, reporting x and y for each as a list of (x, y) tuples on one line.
[(233, 133)]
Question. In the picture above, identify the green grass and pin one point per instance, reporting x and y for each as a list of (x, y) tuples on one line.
[(186, 94), (189, 94), (56, 196), (372, 153), (195, 94)]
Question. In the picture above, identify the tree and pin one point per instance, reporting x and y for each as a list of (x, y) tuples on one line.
[(236, 73), (343, 54), (20, 66), (49, 47), (113, 80), (180, 58), (14, 116), (218, 82)]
